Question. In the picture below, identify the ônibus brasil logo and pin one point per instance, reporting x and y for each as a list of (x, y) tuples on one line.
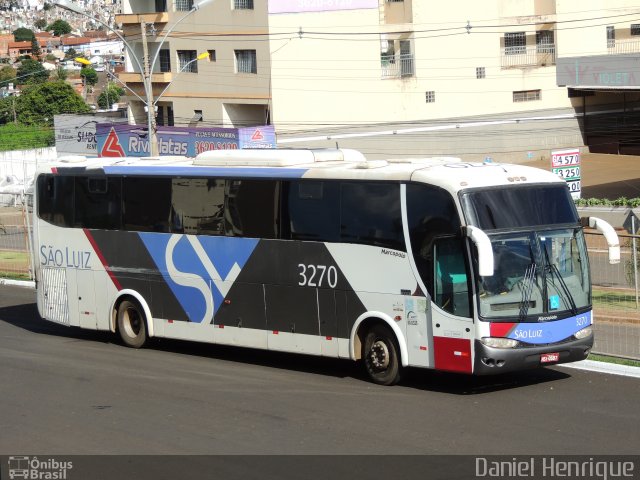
[(32, 468)]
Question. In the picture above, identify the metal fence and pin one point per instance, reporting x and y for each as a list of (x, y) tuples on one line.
[(15, 248), (616, 302)]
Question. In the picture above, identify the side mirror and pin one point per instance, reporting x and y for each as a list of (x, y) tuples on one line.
[(609, 233), (485, 250)]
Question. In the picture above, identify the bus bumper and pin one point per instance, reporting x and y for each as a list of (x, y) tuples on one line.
[(491, 361)]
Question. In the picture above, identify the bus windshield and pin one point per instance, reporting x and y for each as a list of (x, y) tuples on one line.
[(536, 275), (541, 267)]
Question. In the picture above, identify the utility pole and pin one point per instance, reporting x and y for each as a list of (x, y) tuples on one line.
[(151, 117)]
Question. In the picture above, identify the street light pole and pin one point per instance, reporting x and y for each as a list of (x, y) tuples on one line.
[(151, 124), (146, 67)]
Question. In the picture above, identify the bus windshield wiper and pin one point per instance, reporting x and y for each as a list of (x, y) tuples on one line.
[(527, 290), (553, 269)]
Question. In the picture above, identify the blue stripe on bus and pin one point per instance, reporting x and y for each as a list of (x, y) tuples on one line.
[(552, 331), (192, 278), (252, 172)]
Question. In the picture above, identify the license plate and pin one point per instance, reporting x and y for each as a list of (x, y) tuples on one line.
[(549, 357)]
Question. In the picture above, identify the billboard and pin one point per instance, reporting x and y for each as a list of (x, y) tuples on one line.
[(132, 141), (76, 134)]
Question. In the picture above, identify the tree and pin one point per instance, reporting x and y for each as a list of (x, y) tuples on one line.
[(31, 71), (39, 103), (40, 24), (61, 73), (7, 75), (59, 27), (23, 35), (7, 109), (35, 48), (71, 53), (89, 75), (110, 95)]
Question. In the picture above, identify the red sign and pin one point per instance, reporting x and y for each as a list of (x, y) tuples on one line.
[(112, 147)]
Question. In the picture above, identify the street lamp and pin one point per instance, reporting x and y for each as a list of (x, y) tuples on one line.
[(147, 69)]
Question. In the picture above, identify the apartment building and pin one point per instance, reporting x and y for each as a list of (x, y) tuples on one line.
[(394, 77)]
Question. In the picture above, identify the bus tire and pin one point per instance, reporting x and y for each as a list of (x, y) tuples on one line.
[(132, 325), (381, 356)]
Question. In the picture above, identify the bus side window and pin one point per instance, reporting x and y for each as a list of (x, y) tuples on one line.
[(312, 210), (451, 286), (252, 208), (98, 202), (370, 214), (197, 206), (55, 199), (147, 204)]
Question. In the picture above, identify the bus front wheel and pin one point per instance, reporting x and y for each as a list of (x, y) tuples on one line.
[(381, 357), (131, 324)]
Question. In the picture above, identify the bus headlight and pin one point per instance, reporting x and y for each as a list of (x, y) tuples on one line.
[(496, 342), (584, 333)]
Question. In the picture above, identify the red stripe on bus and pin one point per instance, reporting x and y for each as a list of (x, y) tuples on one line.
[(102, 259), (499, 329)]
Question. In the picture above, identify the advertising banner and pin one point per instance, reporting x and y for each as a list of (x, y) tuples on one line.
[(132, 141), (76, 134)]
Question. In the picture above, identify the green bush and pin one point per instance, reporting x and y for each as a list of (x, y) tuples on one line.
[(604, 202)]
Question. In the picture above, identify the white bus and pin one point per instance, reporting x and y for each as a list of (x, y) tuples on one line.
[(434, 263)]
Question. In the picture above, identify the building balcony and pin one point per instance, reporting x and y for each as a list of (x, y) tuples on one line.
[(528, 56), (622, 46), (137, 18), (398, 66), (136, 77)]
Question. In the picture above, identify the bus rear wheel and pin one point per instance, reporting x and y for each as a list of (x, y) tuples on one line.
[(381, 357), (131, 324)]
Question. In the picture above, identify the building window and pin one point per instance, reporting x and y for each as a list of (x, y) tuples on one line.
[(165, 60), (635, 29), (243, 4), (430, 96), (480, 72), (184, 5), (188, 61), (406, 59), (197, 115), (212, 55), (611, 36), (246, 61), (545, 41), (515, 43), (526, 95)]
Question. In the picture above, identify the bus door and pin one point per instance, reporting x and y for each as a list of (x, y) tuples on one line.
[(440, 265), (451, 314)]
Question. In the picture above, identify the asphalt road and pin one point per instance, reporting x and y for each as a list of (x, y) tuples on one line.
[(67, 391)]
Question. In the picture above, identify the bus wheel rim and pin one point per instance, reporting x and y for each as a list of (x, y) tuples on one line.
[(379, 355)]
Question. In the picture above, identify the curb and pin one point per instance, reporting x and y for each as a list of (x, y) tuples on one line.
[(18, 283), (605, 367)]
